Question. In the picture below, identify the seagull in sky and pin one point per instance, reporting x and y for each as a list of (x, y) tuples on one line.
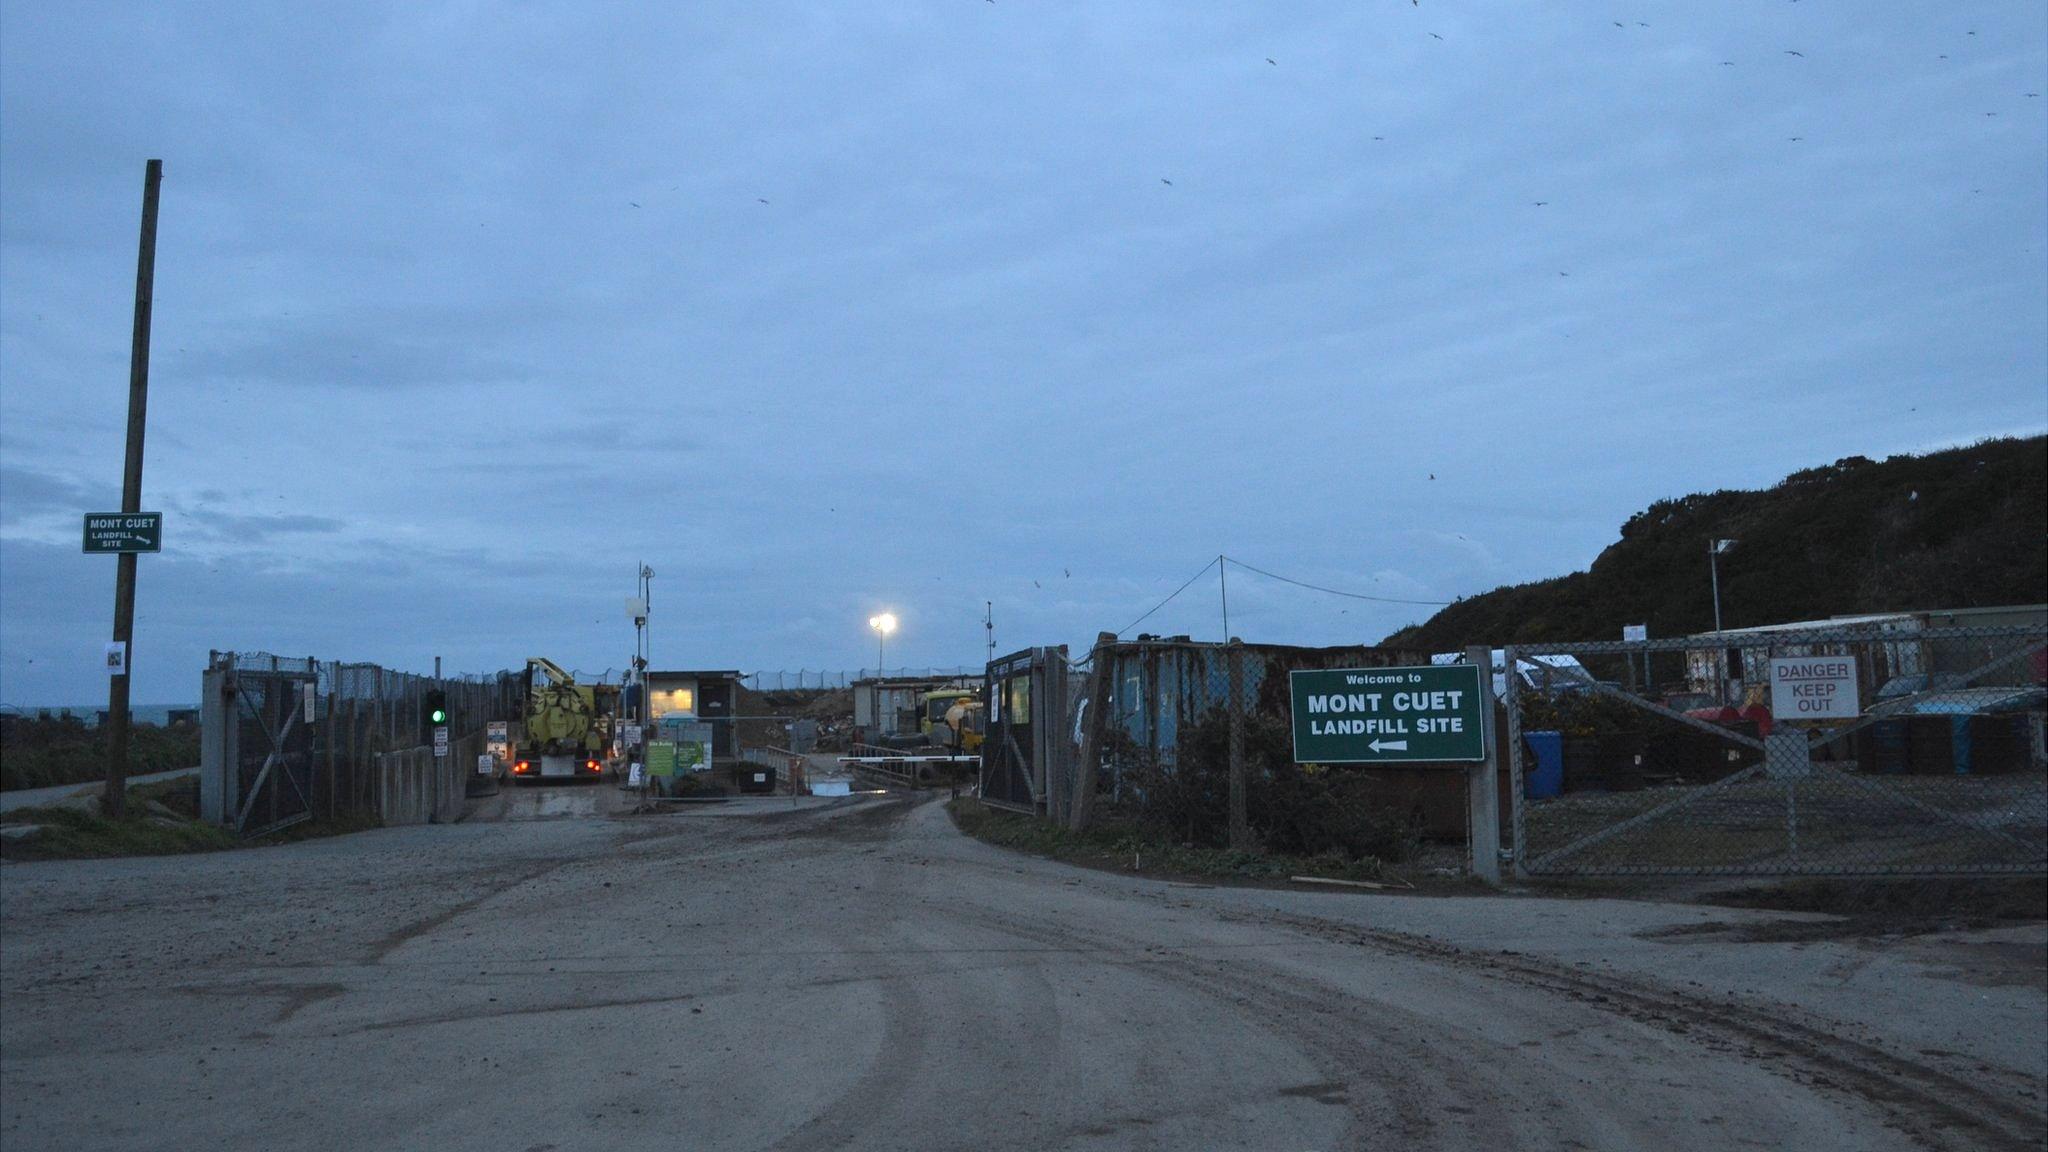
[(1165, 181), (1434, 34), (1790, 52)]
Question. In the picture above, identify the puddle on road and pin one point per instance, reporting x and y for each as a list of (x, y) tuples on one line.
[(567, 804)]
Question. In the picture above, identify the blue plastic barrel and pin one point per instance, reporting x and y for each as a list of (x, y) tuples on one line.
[(1544, 778)]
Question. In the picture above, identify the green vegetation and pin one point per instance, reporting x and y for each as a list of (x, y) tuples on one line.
[(162, 820), (1293, 810), (74, 832), (1962, 528), (1131, 846), (39, 753)]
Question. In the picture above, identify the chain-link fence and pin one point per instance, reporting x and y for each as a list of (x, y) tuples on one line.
[(1195, 743), (1848, 751), (287, 738)]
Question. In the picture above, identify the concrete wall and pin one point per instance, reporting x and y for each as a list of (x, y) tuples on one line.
[(409, 788)]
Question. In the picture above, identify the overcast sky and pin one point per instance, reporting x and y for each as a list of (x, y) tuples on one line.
[(463, 310)]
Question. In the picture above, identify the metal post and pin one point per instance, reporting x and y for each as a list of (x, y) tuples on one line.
[(115, 800), (1223, 587), (1483, 783)]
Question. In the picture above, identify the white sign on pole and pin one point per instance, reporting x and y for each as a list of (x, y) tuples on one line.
[(632, 735), (486, 764), (117, 658), (495, 731), (1814, 688), (312, 700), (440, 741), (1635, 633), (633, 777)]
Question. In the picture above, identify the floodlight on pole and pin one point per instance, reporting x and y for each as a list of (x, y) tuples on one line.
[(1714, 551), (883, 625)]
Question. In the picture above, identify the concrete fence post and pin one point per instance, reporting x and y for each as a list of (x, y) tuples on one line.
[(1483, 782)]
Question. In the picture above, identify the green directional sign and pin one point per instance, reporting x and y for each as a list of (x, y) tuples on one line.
[(1387, 715), (124, 531)]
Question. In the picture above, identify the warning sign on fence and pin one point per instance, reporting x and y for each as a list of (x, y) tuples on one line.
[(1814, 688)]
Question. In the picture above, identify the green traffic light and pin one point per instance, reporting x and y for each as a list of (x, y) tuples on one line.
[(440, 717)]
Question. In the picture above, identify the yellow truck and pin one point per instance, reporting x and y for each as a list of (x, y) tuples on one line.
[(563, 734), (953, 718)]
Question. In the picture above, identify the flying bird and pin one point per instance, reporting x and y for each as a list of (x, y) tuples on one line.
[(1272, 61), (1795, 139), (1619, 24), (1165, 181), (1434, 34), (1541, 203), (1727, 63), (634, 203), (1790, 52), (759, 200)]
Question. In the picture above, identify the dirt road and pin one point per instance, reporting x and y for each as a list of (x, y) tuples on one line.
[(860, 975)]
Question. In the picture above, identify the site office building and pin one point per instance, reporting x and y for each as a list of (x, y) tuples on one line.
[(888, 705), (710, 696)]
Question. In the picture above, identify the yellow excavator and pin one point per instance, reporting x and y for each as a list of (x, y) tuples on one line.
[(563, 735)]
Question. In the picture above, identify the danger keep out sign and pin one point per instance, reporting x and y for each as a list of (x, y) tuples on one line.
[(1814, 688)]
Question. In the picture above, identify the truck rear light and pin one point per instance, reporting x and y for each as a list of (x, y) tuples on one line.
[(590, 764), (522, 766)]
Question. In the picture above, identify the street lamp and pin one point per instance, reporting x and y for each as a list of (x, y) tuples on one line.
[(1714, 551), (883, 625)]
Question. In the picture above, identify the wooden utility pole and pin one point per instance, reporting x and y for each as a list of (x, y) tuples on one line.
[(115, 803)]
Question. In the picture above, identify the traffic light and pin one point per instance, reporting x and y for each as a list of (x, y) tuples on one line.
[(435, 708)]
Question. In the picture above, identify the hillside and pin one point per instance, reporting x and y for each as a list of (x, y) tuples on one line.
[(1954, 529)]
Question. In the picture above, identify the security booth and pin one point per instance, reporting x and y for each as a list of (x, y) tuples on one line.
[(1027, 755), (708, 696)]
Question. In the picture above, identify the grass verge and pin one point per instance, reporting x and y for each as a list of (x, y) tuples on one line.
[(1128, 848), (162, 820), (68, 833)]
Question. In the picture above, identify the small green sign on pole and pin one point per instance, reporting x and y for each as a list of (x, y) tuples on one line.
[(124, 532), (1387, 715)]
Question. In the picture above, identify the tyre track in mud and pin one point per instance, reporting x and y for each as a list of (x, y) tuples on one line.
[(1939, 1109)]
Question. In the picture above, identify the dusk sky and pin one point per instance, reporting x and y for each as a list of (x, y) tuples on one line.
[(465, 310)]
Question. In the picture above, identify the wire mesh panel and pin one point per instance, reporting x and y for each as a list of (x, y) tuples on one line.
[(1195, 745), (1865, 751), (273, 744)]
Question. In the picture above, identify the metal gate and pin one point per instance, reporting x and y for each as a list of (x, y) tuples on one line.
[(271, 747), (1665, 757)]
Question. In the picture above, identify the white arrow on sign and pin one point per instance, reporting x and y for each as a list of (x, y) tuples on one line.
[(1388, 745)]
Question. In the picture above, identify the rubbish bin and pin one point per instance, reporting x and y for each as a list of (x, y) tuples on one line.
[(1545, 777)]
